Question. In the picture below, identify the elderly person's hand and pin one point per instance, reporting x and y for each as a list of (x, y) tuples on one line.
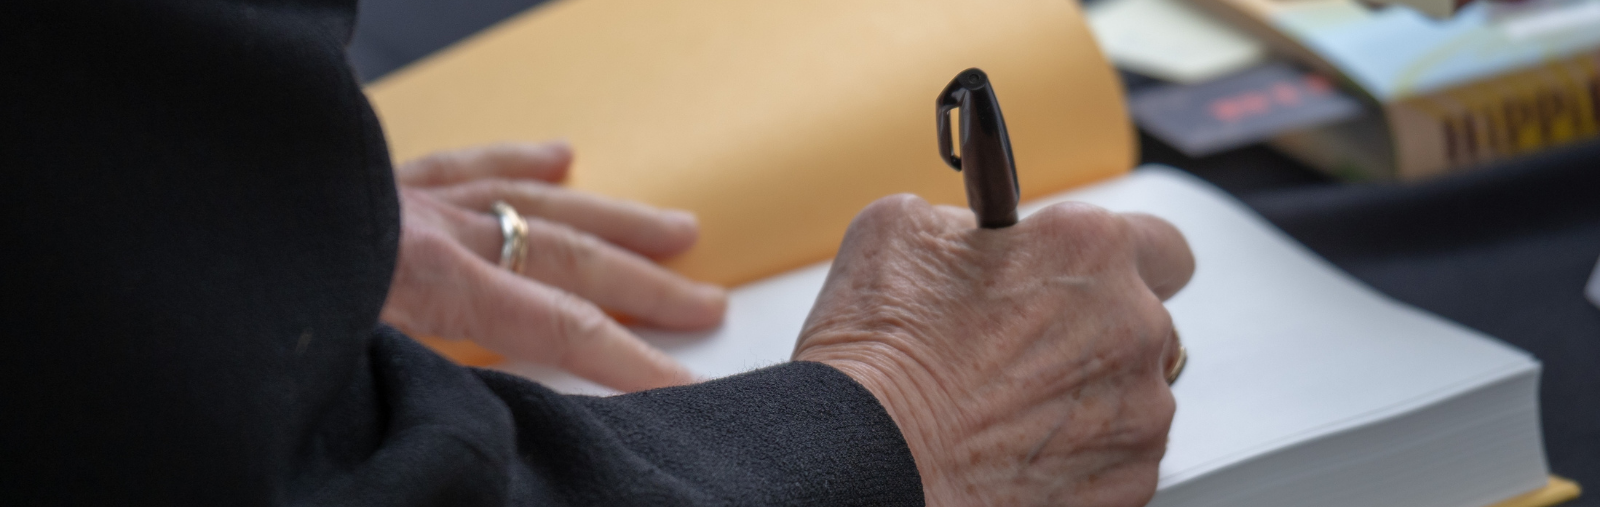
[(1026, 365), (585, 253)]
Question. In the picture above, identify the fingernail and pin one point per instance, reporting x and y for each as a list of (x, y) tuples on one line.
[(556, 149), (715, 301), (681, 217), (711, 292)]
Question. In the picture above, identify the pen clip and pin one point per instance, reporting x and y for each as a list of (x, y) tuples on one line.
[(949, 99), (985, 161)]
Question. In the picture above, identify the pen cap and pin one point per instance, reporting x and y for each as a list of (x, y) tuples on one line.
[(985, 158)]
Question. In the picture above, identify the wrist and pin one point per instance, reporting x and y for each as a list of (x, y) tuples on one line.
[(911, 397)]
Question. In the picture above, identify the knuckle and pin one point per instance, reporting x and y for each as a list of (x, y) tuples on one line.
[(503, 153), (533, 197), (1155, 323), (1143, 329), (1165, 409), (1151, 423), (575, 320), (1144, 418), (894, 207), (1141, 421), (1093, 239), (571, 250), (1158, 410), (882, 216), (1083, 224), (426, 244), (901, 215), (1145, 335)]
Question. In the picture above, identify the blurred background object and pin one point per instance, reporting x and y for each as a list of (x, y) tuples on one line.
[(1594, 286), (1505, 247), (1171, 40), (1249, 107), (1492, 82), (1436, 9)]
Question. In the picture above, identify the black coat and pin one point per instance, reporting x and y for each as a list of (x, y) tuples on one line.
[(200, 228)]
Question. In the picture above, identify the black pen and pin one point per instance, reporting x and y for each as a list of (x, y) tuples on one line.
[(985, 158)]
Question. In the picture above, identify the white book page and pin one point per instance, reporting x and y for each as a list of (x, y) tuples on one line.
[(1283, 347)]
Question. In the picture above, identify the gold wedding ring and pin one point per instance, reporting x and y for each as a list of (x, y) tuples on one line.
[(514, 234), (1177, 366)]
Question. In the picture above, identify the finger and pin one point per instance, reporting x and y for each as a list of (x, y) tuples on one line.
[(621, 280), (652, 232), (442, 289), (600, 272), (1161, 253), (587, 342), (543, 161), (594, 357), (480, 232), (898, 213)]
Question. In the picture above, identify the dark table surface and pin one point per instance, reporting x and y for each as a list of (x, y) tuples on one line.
[(1506, 249)]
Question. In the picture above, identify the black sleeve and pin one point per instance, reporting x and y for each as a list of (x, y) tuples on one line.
[(200, 227)]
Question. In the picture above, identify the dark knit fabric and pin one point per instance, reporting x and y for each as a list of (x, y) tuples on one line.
[(794, 434), (200, 228)]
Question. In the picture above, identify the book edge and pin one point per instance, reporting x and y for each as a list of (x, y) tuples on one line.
[(1557, 491)]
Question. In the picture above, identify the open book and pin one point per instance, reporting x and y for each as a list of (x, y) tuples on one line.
[(777, 122)]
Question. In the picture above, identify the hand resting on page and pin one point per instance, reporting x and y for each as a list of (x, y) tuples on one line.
[(1025, 365), (585, 253)]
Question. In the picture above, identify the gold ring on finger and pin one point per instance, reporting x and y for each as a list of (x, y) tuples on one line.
[(1177, 366), (514, 234)]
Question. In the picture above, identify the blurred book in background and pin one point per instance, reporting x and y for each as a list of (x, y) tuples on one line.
[(1493, 81), (1245, 108)]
